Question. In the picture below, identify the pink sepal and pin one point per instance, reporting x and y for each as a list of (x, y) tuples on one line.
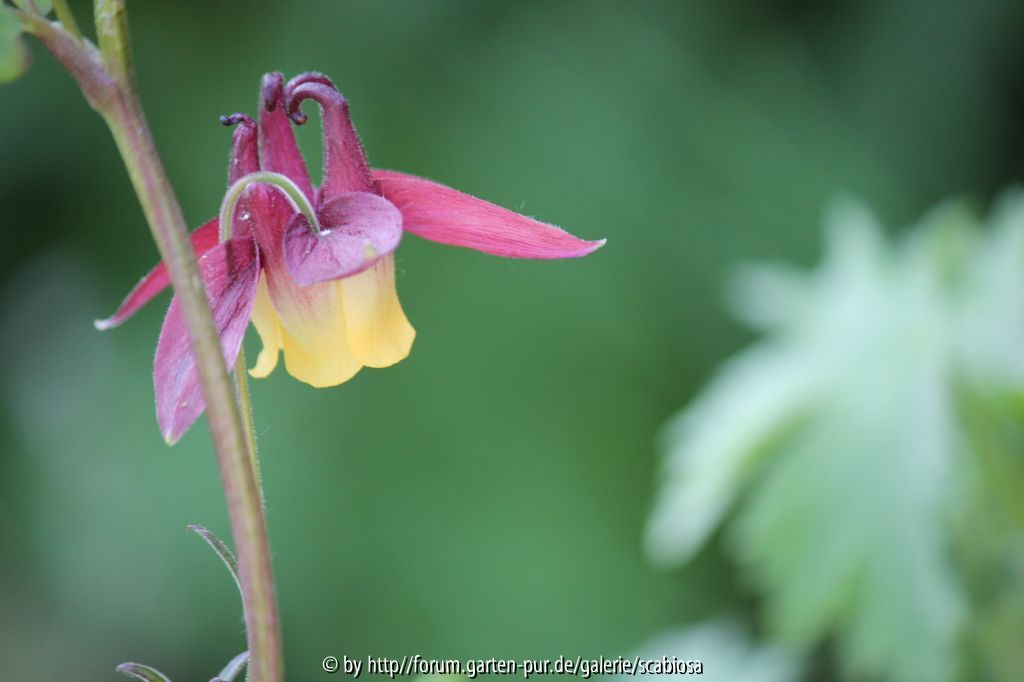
[(357, 230), (442, 214), (203, 239), (230, 272)]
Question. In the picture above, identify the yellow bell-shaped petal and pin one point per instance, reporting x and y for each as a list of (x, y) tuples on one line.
[(329, 331)]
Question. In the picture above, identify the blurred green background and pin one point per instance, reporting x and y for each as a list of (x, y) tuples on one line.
[(488, 496)]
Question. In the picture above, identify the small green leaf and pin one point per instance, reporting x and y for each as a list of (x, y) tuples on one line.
[(14, 54), (15, 59), (221, 549), (233, 668), (142, 672), (44, 6), (10, 27)]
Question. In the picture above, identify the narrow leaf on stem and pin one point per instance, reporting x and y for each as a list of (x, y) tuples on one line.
[(142, 672), (226, 555), (233, 668)]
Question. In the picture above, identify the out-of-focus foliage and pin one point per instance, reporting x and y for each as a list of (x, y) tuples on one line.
[(727, 653), (844, 442), (42, 6), (14, 55)]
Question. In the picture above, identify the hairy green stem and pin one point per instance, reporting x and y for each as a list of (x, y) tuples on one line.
[(226, 220), (227, 424), (245, 405), (66, 18), (107, 80)]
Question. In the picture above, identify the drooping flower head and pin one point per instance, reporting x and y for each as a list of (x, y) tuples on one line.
[(312, 267)]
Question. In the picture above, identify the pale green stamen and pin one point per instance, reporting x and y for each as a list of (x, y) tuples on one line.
[(295, 197)]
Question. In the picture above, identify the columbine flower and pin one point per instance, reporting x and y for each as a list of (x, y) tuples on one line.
[(313, 267)]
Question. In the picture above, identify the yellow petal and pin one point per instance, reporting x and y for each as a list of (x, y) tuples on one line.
[(313, 330), (378, 332), (264, 318)]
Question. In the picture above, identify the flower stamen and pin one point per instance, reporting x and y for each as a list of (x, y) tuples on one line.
[(289, 89), (235, 119), (271, 90), (345, 166), (322, 91)]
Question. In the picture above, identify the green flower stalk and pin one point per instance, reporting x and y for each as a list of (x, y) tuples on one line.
[(106, 78)]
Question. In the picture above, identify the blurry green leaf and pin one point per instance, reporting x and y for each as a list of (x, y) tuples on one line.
[(44, 6), (142, 672), (990, 317), (726, 653), (989, 541), (844, 425), (10, 27), (846, 529), (714, 446), (15, 59), (226, 555), (14, 54), (233, 668)]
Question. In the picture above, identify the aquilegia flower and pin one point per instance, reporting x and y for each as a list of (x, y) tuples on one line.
[(313, 267)]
